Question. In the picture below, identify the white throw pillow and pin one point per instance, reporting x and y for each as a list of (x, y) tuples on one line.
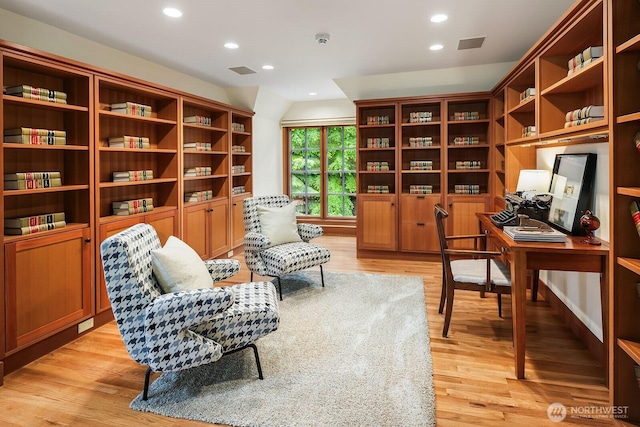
[(279, 224), (179, 268)]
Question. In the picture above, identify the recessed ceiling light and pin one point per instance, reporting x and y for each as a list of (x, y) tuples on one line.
[(440, 17), (267, 67), (435, 47), (172, 12), (313, 93), (231, 45)]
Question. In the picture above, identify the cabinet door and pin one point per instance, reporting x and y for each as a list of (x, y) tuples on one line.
[(196, 229), (237, 222), (418, 231), (165, 224), (48, 285), (462, 216), (377, 222), (219, 228)]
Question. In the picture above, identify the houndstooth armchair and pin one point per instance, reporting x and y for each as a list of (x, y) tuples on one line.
[(175, 331), (276, 261)]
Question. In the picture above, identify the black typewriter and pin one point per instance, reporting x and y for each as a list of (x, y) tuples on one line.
[(505, 217)]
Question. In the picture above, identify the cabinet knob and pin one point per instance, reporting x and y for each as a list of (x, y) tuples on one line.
[(420, 197), (88, 239), (503, 249), (209, 210)]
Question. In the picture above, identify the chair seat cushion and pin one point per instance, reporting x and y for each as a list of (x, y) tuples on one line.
[(475, 271), (290, 257)]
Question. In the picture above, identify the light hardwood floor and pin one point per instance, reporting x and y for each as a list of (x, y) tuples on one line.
[(91, 381)]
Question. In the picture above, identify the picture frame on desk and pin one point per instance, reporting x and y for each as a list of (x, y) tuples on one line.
[(572, 189)]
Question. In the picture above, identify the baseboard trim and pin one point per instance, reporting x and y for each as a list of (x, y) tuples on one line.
[(571, 320)]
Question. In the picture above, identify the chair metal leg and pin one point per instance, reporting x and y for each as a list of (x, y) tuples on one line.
[(255, 353), (145, 392), (279, 287), (321, 275), (500, 305), (251, 279)]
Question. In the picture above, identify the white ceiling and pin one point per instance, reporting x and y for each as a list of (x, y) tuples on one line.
[(368, 38)]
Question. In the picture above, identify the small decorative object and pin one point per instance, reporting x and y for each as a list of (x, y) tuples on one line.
[(590, 223)]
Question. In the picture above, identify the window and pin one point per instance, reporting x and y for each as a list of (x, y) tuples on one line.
[(322, 170)]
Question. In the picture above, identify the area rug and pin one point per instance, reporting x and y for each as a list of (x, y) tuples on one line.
[(355, 353)]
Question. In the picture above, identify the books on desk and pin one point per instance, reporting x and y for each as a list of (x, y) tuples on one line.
[(534, 234)]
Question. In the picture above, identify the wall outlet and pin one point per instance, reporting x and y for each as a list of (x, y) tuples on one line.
[(84, 326), (230, 254)]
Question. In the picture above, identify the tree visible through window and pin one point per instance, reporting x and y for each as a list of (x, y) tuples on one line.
[(323, 170)]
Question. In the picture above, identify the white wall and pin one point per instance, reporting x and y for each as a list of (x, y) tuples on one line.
[(581, 291)]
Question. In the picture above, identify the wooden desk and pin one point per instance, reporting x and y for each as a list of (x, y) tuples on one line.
[(573, 255)]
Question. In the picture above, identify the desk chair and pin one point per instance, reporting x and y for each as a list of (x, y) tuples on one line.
[(468, 269)]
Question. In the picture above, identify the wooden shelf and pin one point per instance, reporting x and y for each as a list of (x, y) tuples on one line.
[(630, 264), (631, 45), (579, 81), (132, 117), (631, 348), (628, 191), (34, 103)]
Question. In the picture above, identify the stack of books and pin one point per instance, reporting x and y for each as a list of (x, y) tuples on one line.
[(35, 136), (198, 171), (129, 142), (468, 164), (528, 131), (198, 120), (528, 93), (378, 142), (198, 196), (32, 180), (237, 127), (534, 234), (34, 224), (466, 115), (238, 149), (127, 176), (198, 146), (420, 116), (466, 140), (377, 166), (132, 108), (420, 189), (584, 115), (466, 189), (378, 120), (421, 165), (636, 368), (378, 189), (239, 189), (237, 169), (420, 141), (130, 207), (634, 207), (32, 92), (584, 58)]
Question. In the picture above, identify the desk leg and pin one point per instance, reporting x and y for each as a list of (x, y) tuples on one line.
[(604, 300), (518, 310)]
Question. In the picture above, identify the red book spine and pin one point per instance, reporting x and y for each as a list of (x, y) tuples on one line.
[(635, 214)]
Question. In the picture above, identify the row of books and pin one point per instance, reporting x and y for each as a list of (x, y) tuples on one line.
[(131, 108), (237, 169), (466, 140), (35, 136), (421, 165), (634, 207), (466, 115), (134, 206), (378, 189), (198, 171), (127, 176), (528, 131), (238, 149), (127, 141), (198, 120), (585, 112), (34, 224), (39, 93), (237, 127), (636, 369), (378, 120), (527, 93), (198, 146), (466, 189), (584, 58), (420, 141), (239, 189), (579, 122), (378, 142), (198, 196), (420, 116), (468, 164), (32, 180), (377, 166), (420, 189)]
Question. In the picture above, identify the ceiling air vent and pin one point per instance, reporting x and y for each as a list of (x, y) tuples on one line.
[(473, 43), (242, 70)]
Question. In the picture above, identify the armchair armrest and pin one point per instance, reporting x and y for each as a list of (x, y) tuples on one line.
[(221, 269), (476, 238), (469, 252), (256, 242), (309, 231)]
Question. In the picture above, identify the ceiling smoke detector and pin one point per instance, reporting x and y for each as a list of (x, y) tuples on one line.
[(322, 38)]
